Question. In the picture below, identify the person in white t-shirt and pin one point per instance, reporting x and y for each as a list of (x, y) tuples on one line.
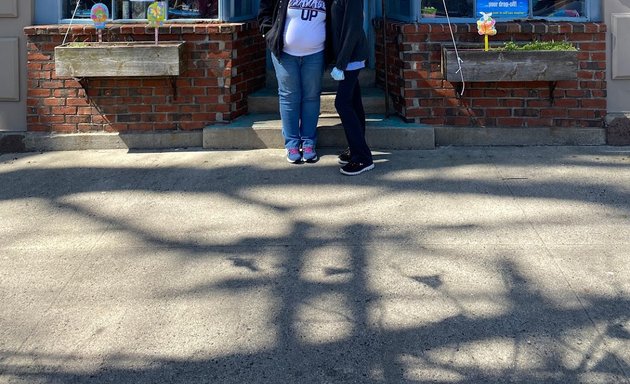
[(295, 32)]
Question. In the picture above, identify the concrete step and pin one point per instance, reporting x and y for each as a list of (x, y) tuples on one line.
[(255, 131), (265, 101)]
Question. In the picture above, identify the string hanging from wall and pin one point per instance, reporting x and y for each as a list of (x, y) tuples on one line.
[(71, 20), (459, 60)]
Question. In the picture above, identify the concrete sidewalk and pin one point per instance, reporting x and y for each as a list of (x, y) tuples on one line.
[(455, 265)]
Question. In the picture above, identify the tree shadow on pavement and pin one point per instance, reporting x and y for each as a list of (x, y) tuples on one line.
[(356, 302)]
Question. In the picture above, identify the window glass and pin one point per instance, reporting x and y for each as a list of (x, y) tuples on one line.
[(504, 9), (456, 8), (399, 9), (559, 8), (137, 10), (83, 11), (131, 9), (242, 7), (193, 9)]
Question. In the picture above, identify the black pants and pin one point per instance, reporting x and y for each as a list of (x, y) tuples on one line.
[(350, 108)]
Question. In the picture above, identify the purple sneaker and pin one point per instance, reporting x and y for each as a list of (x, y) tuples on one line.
[(309, 155), (294, 155)]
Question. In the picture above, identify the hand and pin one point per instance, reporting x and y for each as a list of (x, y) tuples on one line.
[(337, 74)]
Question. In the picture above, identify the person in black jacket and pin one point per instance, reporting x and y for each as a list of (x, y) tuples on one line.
[(295, 32), (350, 50)]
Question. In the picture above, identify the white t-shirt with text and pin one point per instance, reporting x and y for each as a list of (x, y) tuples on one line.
[(305, 27)]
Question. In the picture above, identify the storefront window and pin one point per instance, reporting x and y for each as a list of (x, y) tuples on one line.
[(399, 9), (137, 9), (559, 8), (83, 9), (192, 9), (239, 9), (503, 9), (456, 8)]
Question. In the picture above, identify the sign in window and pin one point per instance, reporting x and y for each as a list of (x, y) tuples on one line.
[(504, 8)]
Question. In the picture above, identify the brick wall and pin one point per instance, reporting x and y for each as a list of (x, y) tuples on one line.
[(224, 63), (421, 94)]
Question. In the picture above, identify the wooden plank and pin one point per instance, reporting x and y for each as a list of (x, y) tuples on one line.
[(119, 59), (479, 65)]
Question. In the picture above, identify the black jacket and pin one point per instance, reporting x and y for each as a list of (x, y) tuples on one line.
[(348, 38), (272, 16)]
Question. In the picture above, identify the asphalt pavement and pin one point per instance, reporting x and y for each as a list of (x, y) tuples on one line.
[(453, 265)]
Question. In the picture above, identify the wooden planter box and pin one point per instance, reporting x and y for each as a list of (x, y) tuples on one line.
[(122, 59), (479, 65)]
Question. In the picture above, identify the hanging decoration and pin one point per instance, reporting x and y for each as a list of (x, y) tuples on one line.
[(156, 14), (485, 27), (99, 15)]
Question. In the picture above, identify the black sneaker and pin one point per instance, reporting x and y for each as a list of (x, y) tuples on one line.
[(352, 169), (344, 157)]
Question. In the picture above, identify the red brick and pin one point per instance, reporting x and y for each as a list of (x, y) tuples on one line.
[(99, 119), (77, 102), (140, 109), (191, 91), (189, 126), (166, 108), (64, 110), (540, 122), (553, 113), (594, 103), (65, 128), (78, 119), (49, 119), (84, 110), (490, 112), (53, 101), (510, 122), (51, 84), (592, 46), (65, 93), (154, 117), (32, 56), (581, 114), (593, 84), (566, 103), (537, 103), (576, 93), (493, 103), (37, 92)]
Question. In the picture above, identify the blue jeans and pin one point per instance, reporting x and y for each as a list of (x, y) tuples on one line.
[(299, 90), (350, 108)]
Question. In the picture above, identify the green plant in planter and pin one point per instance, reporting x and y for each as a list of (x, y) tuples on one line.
[(429, 11), (537, 46), (534, 61)]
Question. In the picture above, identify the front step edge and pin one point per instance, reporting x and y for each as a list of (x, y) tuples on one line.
[(257, 131)]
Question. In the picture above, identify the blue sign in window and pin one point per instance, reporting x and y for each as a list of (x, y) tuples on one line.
[(504, 8)]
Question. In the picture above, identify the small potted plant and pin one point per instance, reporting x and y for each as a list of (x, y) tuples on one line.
[(429, 11)]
